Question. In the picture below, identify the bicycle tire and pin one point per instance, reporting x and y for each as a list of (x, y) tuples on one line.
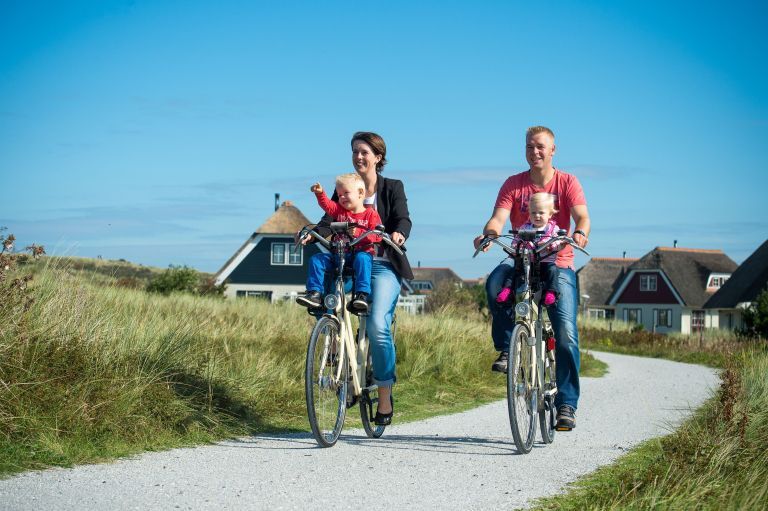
[(548, 412), (521, 390), (326, 399)]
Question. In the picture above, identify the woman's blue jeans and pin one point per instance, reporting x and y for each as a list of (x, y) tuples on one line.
[(563, 316), (385, 290)]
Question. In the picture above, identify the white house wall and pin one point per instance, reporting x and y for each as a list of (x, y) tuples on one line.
[(279, 292), (678, 316)]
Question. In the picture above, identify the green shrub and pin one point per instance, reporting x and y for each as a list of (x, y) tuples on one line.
[(461, 299), (175, 279), (756, 316)]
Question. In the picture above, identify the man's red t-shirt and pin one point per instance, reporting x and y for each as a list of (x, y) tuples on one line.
[(517, 190)]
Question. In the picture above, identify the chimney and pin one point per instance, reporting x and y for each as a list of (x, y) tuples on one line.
[(418, 264), (674, 244), (277, 201), (624, 255)]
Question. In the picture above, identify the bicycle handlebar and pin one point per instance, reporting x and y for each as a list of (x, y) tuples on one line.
[(567, 239), (384, 237), (515, 250), (342, 228), (306, 231)]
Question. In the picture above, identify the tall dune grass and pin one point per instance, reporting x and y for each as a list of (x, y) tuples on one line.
[(716, 460), (90, 370)]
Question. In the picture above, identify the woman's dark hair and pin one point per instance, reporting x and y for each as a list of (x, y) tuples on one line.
[(376, 143)]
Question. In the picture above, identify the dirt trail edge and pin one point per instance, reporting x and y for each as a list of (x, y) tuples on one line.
[(462, 461)]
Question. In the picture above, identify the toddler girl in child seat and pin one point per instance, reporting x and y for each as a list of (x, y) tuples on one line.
[(351, 191), (541, 207)]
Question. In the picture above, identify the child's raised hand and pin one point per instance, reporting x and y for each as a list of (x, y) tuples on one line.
[(316, 188)]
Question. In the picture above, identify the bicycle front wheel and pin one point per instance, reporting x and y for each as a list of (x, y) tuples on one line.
[(521, 392), (325, 392), (548, 414)]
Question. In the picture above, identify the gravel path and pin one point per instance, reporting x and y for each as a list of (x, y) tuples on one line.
[(462, 461)]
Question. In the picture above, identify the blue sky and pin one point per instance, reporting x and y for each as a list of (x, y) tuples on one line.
[(160, 131)]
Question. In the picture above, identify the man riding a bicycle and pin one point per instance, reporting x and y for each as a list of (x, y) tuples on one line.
[(512, 204)]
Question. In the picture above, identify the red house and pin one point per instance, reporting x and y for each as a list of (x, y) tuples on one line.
[(666, 289)]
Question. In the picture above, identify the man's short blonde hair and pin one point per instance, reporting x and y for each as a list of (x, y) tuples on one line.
[(352, 179), (535, 130), (543, 199)]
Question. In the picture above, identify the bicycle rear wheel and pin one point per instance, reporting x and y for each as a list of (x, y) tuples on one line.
[(326, 395), (548, 413), (368, 404), (521, 392)]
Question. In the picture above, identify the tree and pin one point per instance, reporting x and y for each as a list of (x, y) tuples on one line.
[(756, 315)]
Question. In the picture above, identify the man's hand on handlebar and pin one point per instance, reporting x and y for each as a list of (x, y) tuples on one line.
[(580, 239), (479, 245)]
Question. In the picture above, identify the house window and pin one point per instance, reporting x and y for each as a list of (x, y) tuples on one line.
[(421, 285), (633, 315), (697, 320), (647, 282), (663, 317), (596, 313), (716, 281), (287, 254), (254, 294)]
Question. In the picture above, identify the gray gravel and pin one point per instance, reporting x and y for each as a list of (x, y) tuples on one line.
[(462, 461)]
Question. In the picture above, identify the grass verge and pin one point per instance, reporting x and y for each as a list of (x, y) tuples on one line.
[(90, 371), (715, 460)]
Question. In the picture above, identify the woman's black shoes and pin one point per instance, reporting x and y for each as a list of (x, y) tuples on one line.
[(383, 419)]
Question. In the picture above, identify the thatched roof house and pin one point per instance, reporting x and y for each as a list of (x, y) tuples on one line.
[(666, 289), (749, 279), (598, 279), (269, 264)]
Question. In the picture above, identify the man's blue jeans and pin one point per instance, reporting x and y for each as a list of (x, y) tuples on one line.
[(563, 317)]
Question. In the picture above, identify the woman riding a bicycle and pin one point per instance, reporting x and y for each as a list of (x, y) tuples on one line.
[(387, 197)]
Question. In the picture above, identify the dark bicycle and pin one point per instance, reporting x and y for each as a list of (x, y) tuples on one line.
[(531, 374)]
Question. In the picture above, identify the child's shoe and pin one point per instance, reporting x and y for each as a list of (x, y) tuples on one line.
[(310, 299), (503, 295), (549, 298), (360, 304)]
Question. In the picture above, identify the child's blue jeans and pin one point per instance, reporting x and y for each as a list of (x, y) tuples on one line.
[(323, 263)]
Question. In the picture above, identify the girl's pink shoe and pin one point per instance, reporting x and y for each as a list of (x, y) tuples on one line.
[(503, 295), (549, 298)]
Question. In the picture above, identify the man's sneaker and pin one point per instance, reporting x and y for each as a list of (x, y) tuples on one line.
[(310, 299), (360, 303), (500, 366), (566, 418)]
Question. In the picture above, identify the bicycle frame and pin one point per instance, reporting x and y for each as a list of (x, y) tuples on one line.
[(528, 313), (531, 381), (356, 348)]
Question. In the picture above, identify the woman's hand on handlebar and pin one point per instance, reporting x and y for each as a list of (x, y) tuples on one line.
[(398, 238)]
